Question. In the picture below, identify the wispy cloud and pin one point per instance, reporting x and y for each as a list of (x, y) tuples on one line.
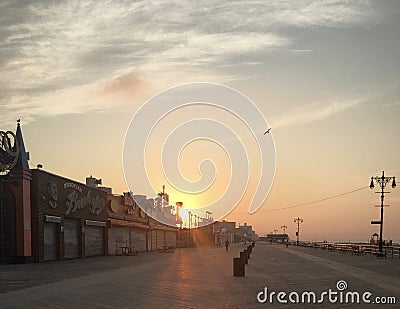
[(308, 114), (130, 85), (52, 51)]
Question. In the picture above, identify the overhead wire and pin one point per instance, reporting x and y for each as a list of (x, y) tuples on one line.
[(305, 204)]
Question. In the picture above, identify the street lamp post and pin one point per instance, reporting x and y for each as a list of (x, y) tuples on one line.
[(284, 227), (190, 219), (382, 182), (298, 220)]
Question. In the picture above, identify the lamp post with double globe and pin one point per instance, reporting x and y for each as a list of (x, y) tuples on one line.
[(382, 181)]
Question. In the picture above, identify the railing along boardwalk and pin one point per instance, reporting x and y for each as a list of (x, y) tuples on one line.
[(354, 248)]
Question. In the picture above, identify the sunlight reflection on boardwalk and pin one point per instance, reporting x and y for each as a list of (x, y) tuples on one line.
[(197, 278)]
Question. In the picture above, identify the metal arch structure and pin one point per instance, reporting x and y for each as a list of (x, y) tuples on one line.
[(9, 154), (9, 151)]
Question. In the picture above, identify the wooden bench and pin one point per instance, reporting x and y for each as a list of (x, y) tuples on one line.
[(126, 250), (166, 249)]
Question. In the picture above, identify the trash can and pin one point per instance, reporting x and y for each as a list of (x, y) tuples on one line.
[(242, 256), (246, 256), (238, 267)]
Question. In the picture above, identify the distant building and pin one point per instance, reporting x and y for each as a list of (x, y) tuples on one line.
[(163, 230), (215, 234), (245, 233), (281, 238), (161, 235), (202, 236), (128, 225), (224, 231)]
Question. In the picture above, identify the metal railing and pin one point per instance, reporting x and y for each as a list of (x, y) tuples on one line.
[(355, 248)]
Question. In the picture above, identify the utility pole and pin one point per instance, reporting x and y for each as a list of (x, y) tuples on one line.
[(284, 227), (382, 182), (298, 220)]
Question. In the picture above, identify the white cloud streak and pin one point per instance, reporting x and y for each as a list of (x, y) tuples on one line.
[(308, 114), (53, 52)]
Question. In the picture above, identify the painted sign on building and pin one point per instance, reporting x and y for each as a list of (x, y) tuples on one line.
[(64, 197)]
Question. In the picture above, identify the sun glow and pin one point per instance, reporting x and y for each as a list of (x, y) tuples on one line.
[(184, 214)]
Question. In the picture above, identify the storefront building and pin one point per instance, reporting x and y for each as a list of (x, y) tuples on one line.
[(161, 235), (128, 225), (45, 217), (69, 219), (158, 210)]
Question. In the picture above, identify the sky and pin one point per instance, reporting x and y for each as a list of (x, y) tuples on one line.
[(324, 74)]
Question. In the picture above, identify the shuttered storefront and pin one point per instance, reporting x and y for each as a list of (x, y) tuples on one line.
[(153, 240), (72, 229), (170, 238), (94, 240), (138, 239), (160, 239), (117, 237), (51, 241)]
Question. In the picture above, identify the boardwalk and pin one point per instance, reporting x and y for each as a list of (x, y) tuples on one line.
[(195, 278)]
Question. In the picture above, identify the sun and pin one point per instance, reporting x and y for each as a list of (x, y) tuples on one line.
[(184, 213)]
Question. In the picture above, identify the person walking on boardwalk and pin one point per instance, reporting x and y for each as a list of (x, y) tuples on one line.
[(226, 244)]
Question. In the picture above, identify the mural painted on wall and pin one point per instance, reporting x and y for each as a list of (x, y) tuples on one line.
[(52, 191), (64, 197)]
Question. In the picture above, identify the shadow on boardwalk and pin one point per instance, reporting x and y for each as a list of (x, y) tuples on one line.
[(194, 278)]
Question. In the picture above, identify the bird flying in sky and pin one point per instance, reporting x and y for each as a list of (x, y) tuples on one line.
[(267, 131)]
